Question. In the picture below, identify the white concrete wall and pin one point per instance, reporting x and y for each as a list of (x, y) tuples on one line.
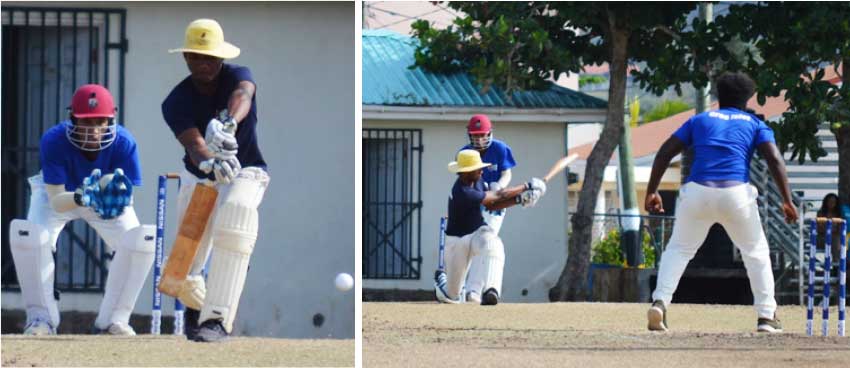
[(302, 58), (535, 239)]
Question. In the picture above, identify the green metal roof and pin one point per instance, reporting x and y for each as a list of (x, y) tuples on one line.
[(387, 80)]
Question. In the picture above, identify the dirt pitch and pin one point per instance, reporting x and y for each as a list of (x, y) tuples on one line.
[(589, 335), (166, 350)]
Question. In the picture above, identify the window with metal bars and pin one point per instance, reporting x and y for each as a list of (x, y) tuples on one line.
[(392, 201), (47, 54)]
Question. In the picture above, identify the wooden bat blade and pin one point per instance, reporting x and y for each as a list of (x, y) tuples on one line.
[(560, 166), (188, 239)]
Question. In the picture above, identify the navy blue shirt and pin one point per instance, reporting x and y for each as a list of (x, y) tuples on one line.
[(724, 141), (465, 208), (186, 108), (500, 158), (63, 163)]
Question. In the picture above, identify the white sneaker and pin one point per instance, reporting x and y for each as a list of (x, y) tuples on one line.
[(39, 327), (473, 297), (118, 329)]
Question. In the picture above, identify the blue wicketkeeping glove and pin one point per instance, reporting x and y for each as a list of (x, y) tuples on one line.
[(114, 196), (89, 190)]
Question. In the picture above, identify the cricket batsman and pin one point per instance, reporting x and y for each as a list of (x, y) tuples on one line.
[(718, 191), (496, 153), (74, 154), (471, 244), (213, 114)]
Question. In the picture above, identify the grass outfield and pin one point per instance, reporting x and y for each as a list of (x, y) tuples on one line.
[(167, 350), (589, 335)]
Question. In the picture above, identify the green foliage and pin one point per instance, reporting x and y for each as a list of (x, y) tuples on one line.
[(608, 251), (666, 108), (522, 45), (591, 79)]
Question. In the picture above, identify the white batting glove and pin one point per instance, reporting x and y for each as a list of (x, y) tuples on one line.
[(530, 197), (220, 135), (226, 170), (207, 166), (537, 184)]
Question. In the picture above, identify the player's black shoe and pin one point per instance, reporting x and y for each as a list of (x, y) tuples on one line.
[(190, 322), (211, 331), (490, 297)]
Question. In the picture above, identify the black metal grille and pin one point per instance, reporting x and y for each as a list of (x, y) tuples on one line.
[(392, 200), (47, 54)]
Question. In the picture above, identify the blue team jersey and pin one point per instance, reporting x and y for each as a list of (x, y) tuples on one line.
[(465, 208), (724, 141), (186, 108), (63, 163), (499, 156)]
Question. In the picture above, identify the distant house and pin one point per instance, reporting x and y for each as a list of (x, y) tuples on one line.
[(413, 125)]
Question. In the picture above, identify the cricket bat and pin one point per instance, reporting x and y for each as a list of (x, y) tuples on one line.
[(559, 166), (188, 239)]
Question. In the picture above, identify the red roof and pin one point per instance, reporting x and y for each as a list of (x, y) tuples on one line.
[(603, 69)]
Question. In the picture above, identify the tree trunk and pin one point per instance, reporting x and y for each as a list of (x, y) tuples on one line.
[(572, 283), (842, 136)]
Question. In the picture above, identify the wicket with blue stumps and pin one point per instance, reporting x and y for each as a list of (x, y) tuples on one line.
[(827, 267), (179, 308)]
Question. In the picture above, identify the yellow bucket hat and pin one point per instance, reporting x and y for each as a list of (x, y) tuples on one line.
[(467, 160), (205, 36)]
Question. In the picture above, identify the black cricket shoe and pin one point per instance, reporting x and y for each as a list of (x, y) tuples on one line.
[(490, 297), (190, 322), (211, 331)]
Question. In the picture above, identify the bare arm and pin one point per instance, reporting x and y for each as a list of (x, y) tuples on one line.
[(504, 198), (194, 143), (505, 178), (776, 165), (671, 147), (60, 199), (239, 104)]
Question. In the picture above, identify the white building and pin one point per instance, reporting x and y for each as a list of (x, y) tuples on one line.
[(300, 55), (413, 124)]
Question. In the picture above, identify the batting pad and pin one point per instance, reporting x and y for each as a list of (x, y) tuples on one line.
[(33, 256), (457, 262), (488, 262), (127, 273), (234, 235)]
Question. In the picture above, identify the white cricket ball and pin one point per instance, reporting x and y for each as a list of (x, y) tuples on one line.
[(344, 282)]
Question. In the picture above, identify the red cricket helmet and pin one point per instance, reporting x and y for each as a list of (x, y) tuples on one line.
[(480, 125), (92, 101)]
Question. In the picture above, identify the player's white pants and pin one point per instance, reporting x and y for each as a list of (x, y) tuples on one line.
[(34, 257), (232, 231), (482, 254), (494, 219), (735, 208)]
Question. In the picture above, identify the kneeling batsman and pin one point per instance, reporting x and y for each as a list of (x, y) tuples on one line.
[(105, 203), (471, 244)]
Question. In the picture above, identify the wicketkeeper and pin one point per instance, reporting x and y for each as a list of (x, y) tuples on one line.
[(471, 244), (718, 191), (213, 113), (499, 155), (89, 165)]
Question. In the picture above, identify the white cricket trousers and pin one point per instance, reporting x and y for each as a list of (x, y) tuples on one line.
[(482, 255), (735, 208)]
